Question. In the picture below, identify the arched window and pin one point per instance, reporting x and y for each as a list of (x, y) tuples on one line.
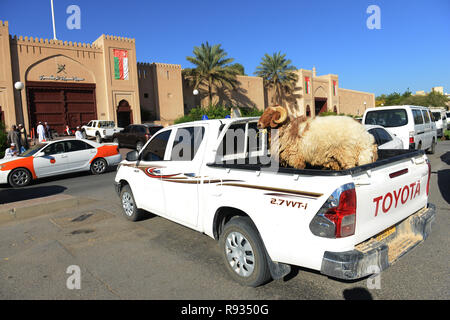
[(308, 111), (334, 109)]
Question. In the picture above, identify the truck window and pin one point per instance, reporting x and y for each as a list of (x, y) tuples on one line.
[(156, 148), (186, 143), (426, 116), (387, 118), (436, 116), (233, 141), (417, 115)]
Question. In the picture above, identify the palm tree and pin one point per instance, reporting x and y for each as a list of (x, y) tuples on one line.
[(212, 69), (277, 72)]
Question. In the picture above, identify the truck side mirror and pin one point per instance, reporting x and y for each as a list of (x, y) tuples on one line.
[(132, 156)]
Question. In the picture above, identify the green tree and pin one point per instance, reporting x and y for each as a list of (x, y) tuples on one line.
[(212, 69), (240, 68), (278, 73)]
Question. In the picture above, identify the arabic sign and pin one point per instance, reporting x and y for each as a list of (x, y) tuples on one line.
[(60, 78)]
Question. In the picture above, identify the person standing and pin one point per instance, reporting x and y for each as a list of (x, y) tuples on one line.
[(40, 132), (48, 133), (13, 137), (78, 134), (23, 137)]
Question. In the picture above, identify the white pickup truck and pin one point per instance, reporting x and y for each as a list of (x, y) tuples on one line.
[(346, 224), (100, 129)]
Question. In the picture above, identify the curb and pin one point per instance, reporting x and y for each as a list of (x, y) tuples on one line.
[(36, 207)]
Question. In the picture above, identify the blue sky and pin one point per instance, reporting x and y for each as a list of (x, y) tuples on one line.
[(411, 50)]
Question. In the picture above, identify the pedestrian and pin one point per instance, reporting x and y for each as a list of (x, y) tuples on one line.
[(48, 133), (78, 134), (13, 137), (67, 131), (41, 132), (11, 151), (23, 137)]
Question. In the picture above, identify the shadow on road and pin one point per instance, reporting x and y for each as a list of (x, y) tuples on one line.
[(446, 158), (357, 294), (12, 195), (444, 183)]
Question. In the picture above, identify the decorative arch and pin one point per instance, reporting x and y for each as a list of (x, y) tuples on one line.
[(33, 66), (335, 109), (320, 92), (308, 111), (124, 114)]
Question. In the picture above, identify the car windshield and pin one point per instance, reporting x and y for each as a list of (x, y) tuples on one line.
[(34, 149), (436, 116), (387, 118)]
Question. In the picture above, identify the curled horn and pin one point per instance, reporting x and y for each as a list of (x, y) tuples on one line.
[(283, 114)]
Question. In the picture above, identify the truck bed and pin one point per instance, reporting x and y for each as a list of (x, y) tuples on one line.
[(385, 156)]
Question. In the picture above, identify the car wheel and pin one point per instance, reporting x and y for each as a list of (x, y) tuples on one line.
[(19, 177), (84, 135), (243, 252), (116, 140), (99, 166), (98, 138), (130, 211), (432, 149), (139, 146)]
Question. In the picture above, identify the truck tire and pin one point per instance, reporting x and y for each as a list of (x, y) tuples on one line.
[(130, 211), (432, 149), (243, 253), (116, 140), (19, 177), (84, 134), (98, 138)]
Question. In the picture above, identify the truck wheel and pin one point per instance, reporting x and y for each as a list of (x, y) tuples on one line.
[(130, 211), (84, 134), (19, 177), (98, 138), (116, 140), (99, 166), (243, 253), (432, 149)]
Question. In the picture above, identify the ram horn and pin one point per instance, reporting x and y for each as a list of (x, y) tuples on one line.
[(283, 114)]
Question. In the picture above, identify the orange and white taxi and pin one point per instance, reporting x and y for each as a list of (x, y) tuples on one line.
[(58, 157)]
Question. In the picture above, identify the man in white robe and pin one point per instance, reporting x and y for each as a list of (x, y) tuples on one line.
[(40, 132)]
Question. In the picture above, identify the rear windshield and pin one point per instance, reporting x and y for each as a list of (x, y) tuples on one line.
[(387, 118), (436, 116)]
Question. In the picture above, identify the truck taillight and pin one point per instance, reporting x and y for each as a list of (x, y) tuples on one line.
[(429, 175), (337, 217), (411, 139)]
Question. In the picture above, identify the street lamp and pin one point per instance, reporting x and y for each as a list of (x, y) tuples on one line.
[(19, 87), (195, 93)]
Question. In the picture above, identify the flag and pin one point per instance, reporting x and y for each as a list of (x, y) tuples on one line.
[(307, 88), (334, 87), (120, 64)]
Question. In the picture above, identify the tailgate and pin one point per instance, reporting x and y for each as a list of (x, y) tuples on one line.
[(389, 194)]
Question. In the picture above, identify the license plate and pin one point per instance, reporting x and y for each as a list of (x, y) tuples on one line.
[(386, 233)]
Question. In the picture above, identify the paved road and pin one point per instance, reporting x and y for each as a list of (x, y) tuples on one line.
[(158, 259)]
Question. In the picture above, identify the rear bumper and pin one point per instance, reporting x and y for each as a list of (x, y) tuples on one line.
[(374, 256)]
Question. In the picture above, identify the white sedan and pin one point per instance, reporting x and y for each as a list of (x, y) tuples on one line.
[(383, 138), (58, 157)]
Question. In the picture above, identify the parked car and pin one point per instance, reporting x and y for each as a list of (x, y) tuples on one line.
[(135, 135), (100, 129), (440, 119), (383, 138), (58, 157), (348, 224), (411, 124)]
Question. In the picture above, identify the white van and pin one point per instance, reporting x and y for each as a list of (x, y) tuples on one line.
[(411, 124), (440, 118)]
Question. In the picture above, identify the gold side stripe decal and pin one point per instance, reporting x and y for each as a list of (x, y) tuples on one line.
[(302, 193)]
